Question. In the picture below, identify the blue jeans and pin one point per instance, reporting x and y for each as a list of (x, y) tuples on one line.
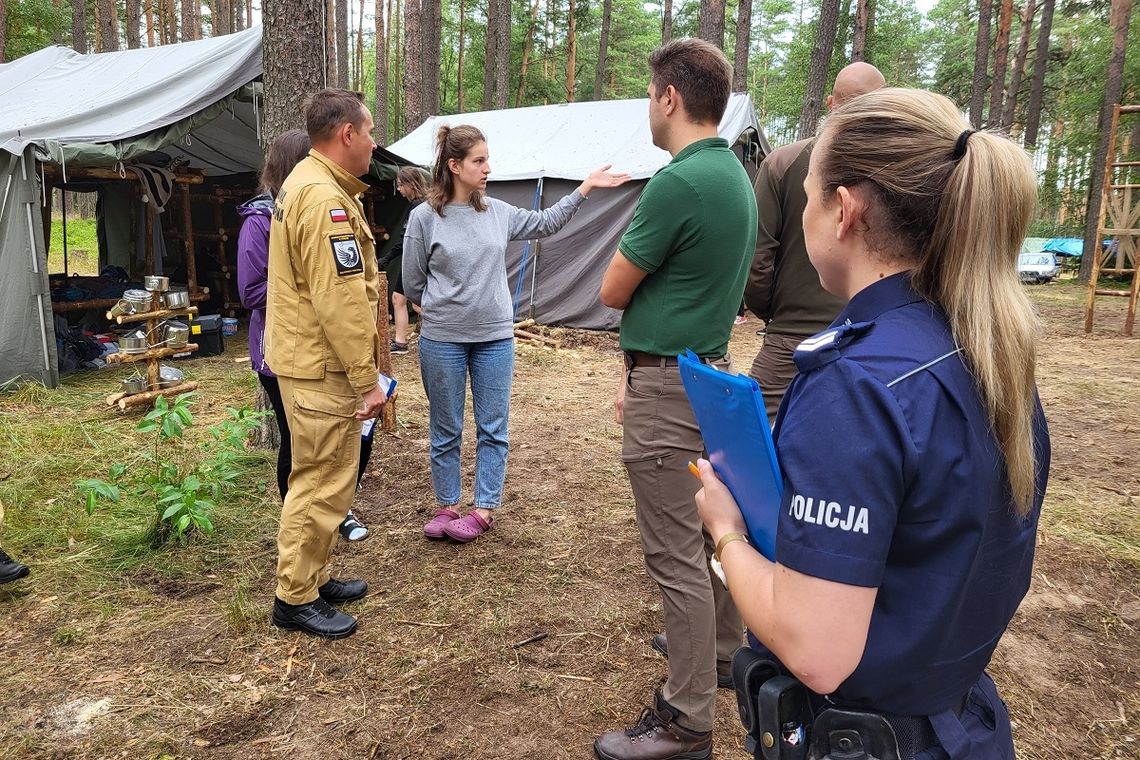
[(444, 367)]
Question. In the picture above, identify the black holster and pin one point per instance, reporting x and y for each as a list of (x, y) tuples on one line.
[(776, 712)]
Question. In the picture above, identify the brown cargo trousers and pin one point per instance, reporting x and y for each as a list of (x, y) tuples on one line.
[(660, 436), (774, 369), (326, 456)]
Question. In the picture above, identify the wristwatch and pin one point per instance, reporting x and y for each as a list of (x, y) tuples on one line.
[(714, 561)]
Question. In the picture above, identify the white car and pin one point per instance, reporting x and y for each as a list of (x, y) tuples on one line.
[(1037, 267)]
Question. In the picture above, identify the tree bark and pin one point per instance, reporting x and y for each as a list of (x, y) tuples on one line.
[(503, 54), (666, 21), (603, 47), (330, 43), (820, 62), (712, 22), (132, 24), (1011, 93), (381, 115), (148, 13), (188, 21), (459, 69), (1121, 11), (340, 13), (743, 43), (293, 37), (396, 65), (413, 64), (528, 48), (1001, 56), (571, 50), (981, 62), (108, 37), (859, 41), (489, 56), (79, 26), (3, 30), (431, 19), (1040, 63)]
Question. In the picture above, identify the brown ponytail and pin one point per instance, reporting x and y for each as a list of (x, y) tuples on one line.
[(958, 207), (453, 143)]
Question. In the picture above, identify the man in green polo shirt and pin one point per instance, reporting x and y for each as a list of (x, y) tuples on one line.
[(679, 274)]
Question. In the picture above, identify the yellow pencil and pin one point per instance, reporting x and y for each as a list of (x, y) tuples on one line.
[(693, 469)]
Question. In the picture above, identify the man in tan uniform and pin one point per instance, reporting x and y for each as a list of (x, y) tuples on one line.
[(321, 341)]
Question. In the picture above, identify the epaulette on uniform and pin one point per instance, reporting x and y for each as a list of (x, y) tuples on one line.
[(824, 348)]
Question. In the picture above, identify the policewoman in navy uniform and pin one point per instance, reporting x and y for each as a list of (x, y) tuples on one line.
[(912, 443)]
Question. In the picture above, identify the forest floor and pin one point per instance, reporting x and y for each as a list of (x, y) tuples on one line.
[(116, 649)]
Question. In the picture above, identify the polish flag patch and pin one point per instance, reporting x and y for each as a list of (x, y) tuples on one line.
[(338, 215)]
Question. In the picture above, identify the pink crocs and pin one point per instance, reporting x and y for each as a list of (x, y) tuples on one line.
[(468, 528), (438, 523)]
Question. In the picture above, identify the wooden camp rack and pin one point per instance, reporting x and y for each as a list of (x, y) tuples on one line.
[(1119, 219), (152, 356)]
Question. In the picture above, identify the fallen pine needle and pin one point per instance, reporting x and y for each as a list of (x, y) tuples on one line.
[(425, 624), (574, 678)]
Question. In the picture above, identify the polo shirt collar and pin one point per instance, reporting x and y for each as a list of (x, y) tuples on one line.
[(693, 147), (878, 298), (347, 182)]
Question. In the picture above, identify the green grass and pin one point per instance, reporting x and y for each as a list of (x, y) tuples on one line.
[(82, 247)]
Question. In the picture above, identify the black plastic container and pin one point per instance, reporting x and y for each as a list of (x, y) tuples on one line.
[(206, 331)]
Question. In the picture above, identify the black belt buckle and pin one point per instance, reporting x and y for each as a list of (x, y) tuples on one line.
[(774, 709), (852, 735)]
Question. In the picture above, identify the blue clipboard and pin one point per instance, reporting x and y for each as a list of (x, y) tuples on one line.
[(730, 412)]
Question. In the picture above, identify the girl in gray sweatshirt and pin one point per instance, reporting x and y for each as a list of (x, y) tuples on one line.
[(455, 268)]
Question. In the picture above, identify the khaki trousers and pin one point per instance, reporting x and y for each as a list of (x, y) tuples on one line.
[(660, 436), (325, 436), (774, 369)]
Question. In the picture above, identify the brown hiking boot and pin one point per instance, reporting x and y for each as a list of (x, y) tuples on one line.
[(656, 736)]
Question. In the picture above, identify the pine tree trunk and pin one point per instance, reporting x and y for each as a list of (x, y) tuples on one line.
[(381, 115), (132, 24), (743, 43), (859, 41), (1010, 108), (79, 26), (489, 55), (3, 30), (432, 21), (330, 43), (413, 64), (459, 69), (503, 54), (571, 50), (340, 13), (528, 49), (396, 65), (108, 37), (712, 22), (981, 63), (1121, 11), (1040, 63), (820, 63), (666, 21), (1001, 56), (189, 29), (603, 47), (293, 37)]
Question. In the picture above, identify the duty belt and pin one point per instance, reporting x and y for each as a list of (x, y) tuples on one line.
[(777, 714), (642, 359)]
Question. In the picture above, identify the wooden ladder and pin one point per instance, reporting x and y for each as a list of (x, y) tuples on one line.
[(1120, 220)]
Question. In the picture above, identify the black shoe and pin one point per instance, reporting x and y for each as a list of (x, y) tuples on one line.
[(723, 669), (317, 618), (352, 529), (10, 569), (398, 348), (339, 592)]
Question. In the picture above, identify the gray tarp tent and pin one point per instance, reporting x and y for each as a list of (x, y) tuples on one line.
[(196, 99), (539, 154)]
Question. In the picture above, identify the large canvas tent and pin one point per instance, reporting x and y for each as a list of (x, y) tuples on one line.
[(195, 104), (539, 154)]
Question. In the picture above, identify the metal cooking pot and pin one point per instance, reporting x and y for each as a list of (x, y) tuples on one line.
[(134, 343), (169, 376), (139, 299), (176, 299), (175, 334), (136, 384), (156, 282)]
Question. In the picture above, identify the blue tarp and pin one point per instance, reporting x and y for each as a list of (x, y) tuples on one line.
[(1065, 246)]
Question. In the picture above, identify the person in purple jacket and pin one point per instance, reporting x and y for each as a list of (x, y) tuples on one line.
[(253, 269)]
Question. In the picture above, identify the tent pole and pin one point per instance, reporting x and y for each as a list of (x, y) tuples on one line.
[(537, 251), (35, 269), (63, 209)]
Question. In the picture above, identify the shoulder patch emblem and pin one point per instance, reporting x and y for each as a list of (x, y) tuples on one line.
[(346, 254), (338, 215)]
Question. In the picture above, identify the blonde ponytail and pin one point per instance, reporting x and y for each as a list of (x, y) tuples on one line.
[(958, 205)]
